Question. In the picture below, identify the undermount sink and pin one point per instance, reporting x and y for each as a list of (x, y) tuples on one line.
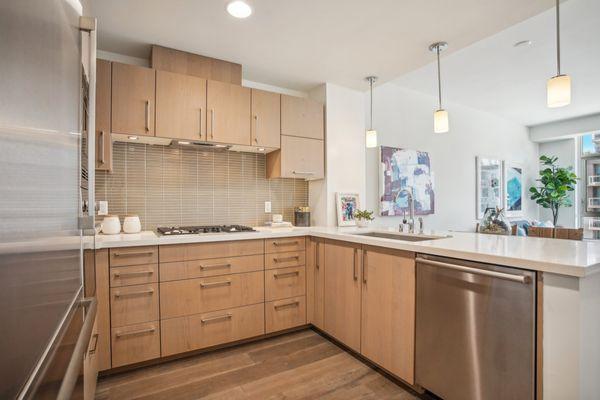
[(410, 237)]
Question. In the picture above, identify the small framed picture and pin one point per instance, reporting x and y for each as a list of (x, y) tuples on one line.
[(490, 186), (514, 190), (347, 204)]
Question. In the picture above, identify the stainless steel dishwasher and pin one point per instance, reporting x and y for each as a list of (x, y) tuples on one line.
[(476, 330)]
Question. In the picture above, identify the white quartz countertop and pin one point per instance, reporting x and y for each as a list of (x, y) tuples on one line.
[(565, 257)]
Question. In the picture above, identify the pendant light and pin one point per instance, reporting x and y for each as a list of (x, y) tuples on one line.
[(559, 86), (371, 134), (440, 116)]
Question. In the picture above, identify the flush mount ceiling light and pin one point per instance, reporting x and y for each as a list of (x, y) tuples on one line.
[(371, 134), (559, 86), (440, 116), (239, 9)]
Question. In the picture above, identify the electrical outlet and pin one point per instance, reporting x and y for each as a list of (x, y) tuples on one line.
[(267, 206)]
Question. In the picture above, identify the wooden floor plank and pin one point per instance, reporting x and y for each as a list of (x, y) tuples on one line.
[(297, 366)]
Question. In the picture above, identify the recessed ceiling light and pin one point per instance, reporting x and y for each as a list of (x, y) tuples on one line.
[(132, 137), (523, 43), (239, 9)]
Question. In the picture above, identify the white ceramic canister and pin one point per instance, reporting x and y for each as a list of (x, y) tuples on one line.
[(111, 225), (132, 224)]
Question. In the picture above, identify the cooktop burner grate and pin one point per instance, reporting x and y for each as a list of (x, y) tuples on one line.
[(190, 230)]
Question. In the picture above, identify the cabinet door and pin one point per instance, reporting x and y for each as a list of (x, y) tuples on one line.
[(133, 99), (388, 311), (301, 117), (302, 158), (266, 119), (103, 311), (316, 274), (341, 317), (180, 106), (228, 113), (103, 140)]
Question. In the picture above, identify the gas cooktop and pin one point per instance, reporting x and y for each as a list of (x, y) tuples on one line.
[(190, 230)]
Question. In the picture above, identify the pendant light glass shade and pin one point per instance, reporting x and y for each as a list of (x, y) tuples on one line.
[(371, 138), (559, 91), (440, 121), (371, 134)]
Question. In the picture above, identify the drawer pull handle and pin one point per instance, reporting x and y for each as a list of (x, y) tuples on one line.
[(132, 273), (215, 284), (283, 259), (295, 242), (138, 253), (93, 349), (212, 266), (138, 332), (216, 318), (149, 291), (286, 274), (294, 303)]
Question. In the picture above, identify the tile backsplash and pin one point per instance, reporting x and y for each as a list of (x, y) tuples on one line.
[(182, 185)]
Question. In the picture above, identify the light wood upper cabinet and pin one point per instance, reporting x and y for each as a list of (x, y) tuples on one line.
[(342, 292), (103, 139), (133, 89), (301, 117), (298, 158), (388, 310), (180, 106), (266, 119), (228, 113)]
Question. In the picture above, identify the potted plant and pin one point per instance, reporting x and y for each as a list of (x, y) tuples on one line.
[(363, 217), (556, 183)]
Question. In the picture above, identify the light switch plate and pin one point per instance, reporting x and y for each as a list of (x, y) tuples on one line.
[(267, 206), (103, 208)]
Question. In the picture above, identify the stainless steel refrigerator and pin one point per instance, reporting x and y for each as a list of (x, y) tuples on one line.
[(47, 69)]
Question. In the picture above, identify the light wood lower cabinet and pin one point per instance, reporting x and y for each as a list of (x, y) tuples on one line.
[(198, 331), (285, 245), (285, 314), (133, 275), (137, 255), (201, 251), (194, 296), (342, 292), (210, 267), (283, 283), (103, 350), (133, 304), (135, 343), (287, 259), (319, 283), (388, 310), (90, 365)]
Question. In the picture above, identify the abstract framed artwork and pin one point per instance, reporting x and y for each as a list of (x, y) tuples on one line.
[(490, 185), (405, 169), (347, 204), (513, 189)]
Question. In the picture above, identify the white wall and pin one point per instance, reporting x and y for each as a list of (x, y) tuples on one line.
[(404, 118), (566, 151), (344, 151), (566, 128)]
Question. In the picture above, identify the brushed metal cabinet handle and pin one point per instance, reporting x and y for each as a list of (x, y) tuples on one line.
[(136, 332), (217, 318), (289, 304), (284, 259), (147, 115), (102, 158), (119, 294), (354, 269), (255, 128), (215, 284), (280, 244), (139, 253), (200, 132), (212, 123), (93, 349), (303, 173), (364, 266), (132, 273), (286, 274), (317, 256), (213, 266)]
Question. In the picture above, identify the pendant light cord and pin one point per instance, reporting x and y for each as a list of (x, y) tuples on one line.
[(371, 113), (558, 36), (439, 77)]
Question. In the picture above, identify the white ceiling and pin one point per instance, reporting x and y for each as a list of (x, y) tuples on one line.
[(300, 44), (494, 76)]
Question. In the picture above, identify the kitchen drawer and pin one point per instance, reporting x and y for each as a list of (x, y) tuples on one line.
[(133, 275), (210, 267), (287, 259), (201, 251), (284, 314), (133, 304), (124, 256), (135, 343), (203, 330), (194, 296), (284, 244), (283, 283)]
